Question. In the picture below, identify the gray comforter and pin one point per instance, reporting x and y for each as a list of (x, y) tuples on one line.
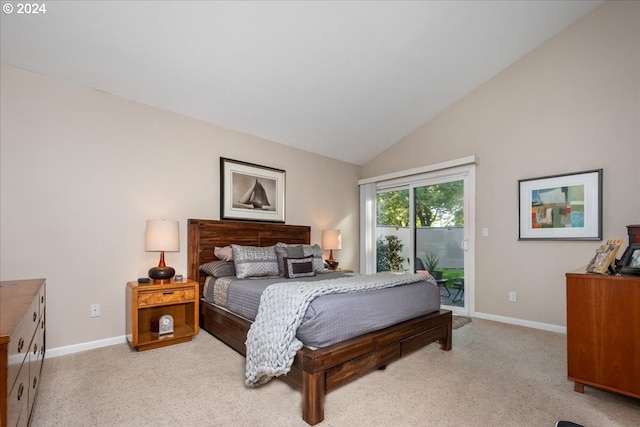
[(336, 317)]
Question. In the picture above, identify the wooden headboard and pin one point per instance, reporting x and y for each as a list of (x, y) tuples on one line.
[(205, 235)]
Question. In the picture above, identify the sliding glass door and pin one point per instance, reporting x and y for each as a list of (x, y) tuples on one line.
[(423, 224), (439, 236)]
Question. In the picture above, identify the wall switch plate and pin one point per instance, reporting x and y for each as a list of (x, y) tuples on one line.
[(95, 310), (513, 296)]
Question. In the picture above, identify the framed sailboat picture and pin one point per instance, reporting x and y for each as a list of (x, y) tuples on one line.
[(251, 192)]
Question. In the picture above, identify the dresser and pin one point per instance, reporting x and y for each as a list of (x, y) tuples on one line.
[(603, 332), (22, 347)]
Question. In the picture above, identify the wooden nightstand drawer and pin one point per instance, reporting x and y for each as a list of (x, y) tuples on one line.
[(169, 296)]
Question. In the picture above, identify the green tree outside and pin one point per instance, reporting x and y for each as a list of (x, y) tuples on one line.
[(437, 203)]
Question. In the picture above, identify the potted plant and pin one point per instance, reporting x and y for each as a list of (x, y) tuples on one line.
[(389, 254), (431, 264)]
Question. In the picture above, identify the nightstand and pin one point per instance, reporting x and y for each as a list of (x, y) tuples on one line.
[(147, 302)]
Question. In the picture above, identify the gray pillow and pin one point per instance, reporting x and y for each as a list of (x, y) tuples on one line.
[(291, 251), (219, 268), (315, 250), (254, 261)]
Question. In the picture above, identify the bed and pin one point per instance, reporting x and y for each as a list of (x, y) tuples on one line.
[(314, 372)]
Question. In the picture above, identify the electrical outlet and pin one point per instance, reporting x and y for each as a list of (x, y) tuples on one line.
[(95, 310), (513, 296)]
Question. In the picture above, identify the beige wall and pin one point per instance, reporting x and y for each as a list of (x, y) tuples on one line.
[(82, 171), (573, 104)]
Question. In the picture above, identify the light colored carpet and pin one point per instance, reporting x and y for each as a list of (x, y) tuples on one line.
[(496, 375)]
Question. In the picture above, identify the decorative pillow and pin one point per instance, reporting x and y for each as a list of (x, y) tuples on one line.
[(315, 250), (225, 253), (291, 251), (298, 267), (219, 268), (253, 261)]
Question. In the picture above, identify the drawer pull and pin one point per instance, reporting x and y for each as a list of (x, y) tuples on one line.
[(35, 348), (20, 390), (35, 316), (35, 382), (42, 299), (20, 344), (168, 293)]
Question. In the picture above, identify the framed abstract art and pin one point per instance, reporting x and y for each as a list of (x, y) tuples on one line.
[(561, 207)]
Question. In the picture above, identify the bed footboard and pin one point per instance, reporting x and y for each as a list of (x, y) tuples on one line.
[(317, 372), (326, 369)]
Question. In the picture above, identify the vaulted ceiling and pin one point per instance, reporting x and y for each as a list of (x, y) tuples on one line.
[(344, 79)]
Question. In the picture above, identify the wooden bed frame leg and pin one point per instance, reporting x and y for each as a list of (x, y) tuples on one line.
[(312, 397), (446, 343)]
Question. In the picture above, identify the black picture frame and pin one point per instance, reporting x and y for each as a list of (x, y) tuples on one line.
[(251, 192), (630, 261), (561, 207)]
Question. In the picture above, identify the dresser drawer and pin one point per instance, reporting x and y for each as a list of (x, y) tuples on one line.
[(35, 364), (146, 299), (42, 299), (17, 401), (20, 340)]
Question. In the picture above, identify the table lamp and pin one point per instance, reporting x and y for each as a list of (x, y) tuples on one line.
[(331, 240), (162, 235)]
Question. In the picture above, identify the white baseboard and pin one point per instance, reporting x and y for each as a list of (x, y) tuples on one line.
[(76, 348), (520, 322)]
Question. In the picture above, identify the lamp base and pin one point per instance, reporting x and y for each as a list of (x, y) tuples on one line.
[(161, 275), (333, 264)]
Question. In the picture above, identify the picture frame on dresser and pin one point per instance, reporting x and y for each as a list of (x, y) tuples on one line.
[(251, 192), (630, 261), (561, 207), (605, 257)]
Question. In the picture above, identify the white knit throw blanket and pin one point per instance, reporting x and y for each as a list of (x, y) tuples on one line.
[(271, 341)]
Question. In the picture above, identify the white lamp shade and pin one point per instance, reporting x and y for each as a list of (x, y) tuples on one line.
[(331, 239), (162, 235)]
